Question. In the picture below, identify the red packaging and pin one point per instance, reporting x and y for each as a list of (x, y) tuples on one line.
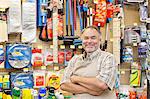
[(61, 57), (37, 57), (49, 28), (39, 81), (100, 13), (69, 54), (110, 9), (60, 26), (48, 57)]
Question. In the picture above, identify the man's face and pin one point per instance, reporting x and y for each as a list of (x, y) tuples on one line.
[(90, 40)]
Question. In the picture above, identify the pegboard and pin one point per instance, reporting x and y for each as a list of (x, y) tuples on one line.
[(131, 16)]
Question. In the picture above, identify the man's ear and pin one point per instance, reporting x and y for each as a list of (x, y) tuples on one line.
[(81, 37), (100, 38)]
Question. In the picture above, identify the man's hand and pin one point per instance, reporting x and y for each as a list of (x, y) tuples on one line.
[(95, 93), (91, 83), (74, 78)]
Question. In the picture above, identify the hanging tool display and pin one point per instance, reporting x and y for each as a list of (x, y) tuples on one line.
[(84, 9), (14, 16), (49, 24), (74, 14), (43, 33), (91, 15), (110, 10), (100, 13), (88, 17), (79, 13), (109, 15), (46, 31), (29, 21), (45, 21), (42, 13), (67, 12), (71, 18)]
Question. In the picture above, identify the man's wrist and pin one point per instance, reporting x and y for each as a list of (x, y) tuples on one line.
[(75, 79)]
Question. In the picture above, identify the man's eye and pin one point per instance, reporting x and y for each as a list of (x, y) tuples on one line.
[(85, 38), (94, 37)]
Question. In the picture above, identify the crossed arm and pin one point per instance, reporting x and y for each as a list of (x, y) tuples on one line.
[(90, 85), (80, 85)]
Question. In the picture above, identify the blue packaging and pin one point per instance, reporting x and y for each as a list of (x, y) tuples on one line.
[(22, 80), (18, 56), (1, 57)]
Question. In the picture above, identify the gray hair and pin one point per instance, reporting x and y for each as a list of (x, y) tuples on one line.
[(91, 27)]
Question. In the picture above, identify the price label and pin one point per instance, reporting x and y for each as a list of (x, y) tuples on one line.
[(122, 72), (56, 68), (6, 76), (80, 47), (135, 24), (111, 39), (2, 9), (26, 69), (72, 46), (43, 67), (1, 78), (62, 46), (134, 44), (51, 46), (39, 46)]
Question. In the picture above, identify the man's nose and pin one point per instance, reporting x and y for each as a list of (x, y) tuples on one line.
[(89, 40)]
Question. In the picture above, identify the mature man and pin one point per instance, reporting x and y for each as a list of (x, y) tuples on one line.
[(92, 74)]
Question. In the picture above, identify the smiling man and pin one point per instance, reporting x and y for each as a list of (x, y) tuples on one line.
[(92, 74)]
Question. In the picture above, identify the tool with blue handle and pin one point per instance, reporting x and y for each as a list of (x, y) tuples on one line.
[(67, 12), (79, 13), (71, 18), (42, 13)]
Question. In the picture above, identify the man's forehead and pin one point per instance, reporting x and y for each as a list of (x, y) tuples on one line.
[(90, 32)]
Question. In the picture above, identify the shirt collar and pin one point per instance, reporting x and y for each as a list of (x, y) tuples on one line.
[(91, 55)]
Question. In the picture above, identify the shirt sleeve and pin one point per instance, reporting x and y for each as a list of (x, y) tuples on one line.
[(108, 72), (68, 70)]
